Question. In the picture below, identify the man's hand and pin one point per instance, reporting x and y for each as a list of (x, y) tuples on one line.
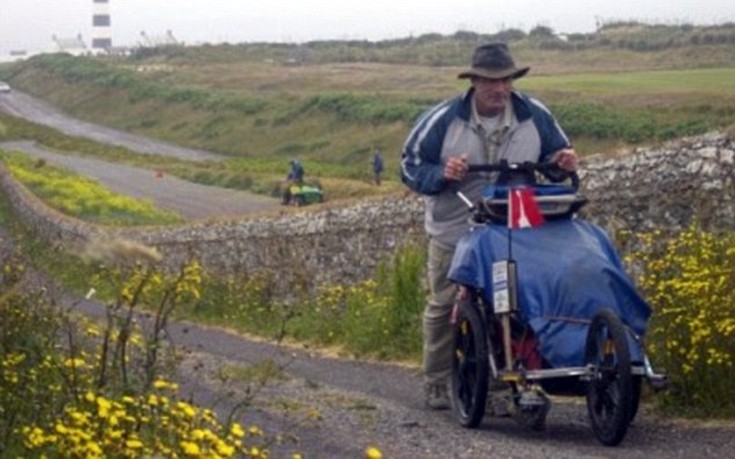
[(456, 168), (566, 159)]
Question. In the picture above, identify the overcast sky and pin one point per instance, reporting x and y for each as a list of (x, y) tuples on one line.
[(29, 24)]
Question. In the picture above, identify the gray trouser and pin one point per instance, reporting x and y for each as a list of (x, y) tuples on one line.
[(437, 329)]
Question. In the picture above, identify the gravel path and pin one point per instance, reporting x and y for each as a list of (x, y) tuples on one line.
[(335, 408)]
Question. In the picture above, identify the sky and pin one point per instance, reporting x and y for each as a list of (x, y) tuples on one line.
[(29, 24)]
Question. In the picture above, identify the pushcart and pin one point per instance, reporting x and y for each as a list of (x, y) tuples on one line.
[(546, 310)]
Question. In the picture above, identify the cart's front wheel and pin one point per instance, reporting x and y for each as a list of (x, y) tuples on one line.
[(610, 392), (636, 397), (470, 365)]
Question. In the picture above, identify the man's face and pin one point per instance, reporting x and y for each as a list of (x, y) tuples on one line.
[(491, 95)]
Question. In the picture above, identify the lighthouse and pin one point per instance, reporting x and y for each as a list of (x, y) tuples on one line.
[(101, 32)]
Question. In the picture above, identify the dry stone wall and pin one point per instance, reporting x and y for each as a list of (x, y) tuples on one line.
[(665, 188)]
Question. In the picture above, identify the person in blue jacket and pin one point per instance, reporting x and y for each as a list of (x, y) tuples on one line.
[(377, 165), (488, 123), (296, 175)]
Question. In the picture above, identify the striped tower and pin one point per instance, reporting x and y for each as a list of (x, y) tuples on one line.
[(101, 32)]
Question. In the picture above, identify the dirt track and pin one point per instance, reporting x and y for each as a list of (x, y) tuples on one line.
[(358, 404)]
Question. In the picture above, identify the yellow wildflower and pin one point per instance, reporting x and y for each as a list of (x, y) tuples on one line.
[(190, 448)]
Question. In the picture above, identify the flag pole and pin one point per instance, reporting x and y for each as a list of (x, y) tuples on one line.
[(510, 234), (510, 222), (511, 273)]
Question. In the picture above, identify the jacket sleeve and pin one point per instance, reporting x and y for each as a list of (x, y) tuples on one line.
[(421, 167)]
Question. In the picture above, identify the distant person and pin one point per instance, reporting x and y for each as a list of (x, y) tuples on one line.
[(377, 165), (296, 175), (488, 123)]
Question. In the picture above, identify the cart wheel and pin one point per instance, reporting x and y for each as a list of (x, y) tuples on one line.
[(470, 366), (636, 397), (610, 391)]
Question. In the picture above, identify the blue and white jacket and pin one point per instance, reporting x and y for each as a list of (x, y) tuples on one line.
[(449, 129)]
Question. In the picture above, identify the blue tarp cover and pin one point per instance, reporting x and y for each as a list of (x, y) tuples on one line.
[(567, 270)]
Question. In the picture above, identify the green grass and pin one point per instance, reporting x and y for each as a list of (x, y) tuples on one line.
[(624, 88), (73, 387)]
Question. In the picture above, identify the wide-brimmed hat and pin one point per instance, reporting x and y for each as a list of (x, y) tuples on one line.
[(495, 62)]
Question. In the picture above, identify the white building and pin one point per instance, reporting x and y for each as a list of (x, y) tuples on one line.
[(70, 45), (157, 41)]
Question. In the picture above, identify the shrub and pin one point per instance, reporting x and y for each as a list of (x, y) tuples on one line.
[(689, 282), (354, 108), (69, 388)]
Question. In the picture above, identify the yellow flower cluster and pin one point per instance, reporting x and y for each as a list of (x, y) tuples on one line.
[(190, 281), (690, 282), (83, 197), (64, 401), (147, 425)]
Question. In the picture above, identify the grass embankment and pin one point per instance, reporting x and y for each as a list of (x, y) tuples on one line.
[(336, 316), (247, 302)]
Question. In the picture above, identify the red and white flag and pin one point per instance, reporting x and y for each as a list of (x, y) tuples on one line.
[(523, 211)]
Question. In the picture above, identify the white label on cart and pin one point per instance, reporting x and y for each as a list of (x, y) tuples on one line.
[(501, 297)]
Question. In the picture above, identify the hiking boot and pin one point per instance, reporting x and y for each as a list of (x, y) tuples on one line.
[(533, 406), (437, 396), (499, 402)]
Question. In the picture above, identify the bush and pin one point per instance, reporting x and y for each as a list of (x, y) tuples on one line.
[(70, 388), (354, 108), (690, 284)]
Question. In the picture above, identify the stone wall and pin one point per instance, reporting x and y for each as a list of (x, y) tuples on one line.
[(664, 188)]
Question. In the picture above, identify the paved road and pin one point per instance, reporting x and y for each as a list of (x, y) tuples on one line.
[(335, 408), (25, 106), (190, 200)]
